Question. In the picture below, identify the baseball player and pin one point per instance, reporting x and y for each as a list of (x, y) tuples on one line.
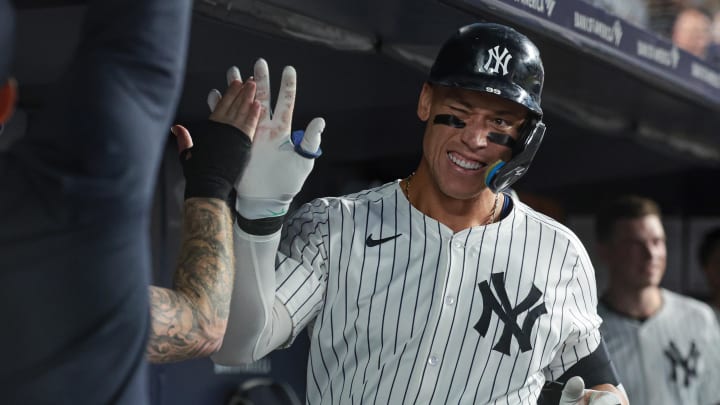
[(665, 346), (437, 288)]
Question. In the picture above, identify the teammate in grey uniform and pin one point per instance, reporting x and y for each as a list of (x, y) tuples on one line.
[(437, 288), (665, 346)]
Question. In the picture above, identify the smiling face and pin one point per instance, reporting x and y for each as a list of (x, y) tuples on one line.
[(457, 157)]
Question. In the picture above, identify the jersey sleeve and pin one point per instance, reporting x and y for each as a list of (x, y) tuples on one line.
[(581, 327), (301, 271), (278, 286)]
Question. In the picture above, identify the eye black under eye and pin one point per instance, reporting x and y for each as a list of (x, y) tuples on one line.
[(449, 120)]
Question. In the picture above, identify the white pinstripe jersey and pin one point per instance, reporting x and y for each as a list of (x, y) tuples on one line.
[(431, 316), (671, 358)]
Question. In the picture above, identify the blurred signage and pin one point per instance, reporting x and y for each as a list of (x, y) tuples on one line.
[(584, 26)]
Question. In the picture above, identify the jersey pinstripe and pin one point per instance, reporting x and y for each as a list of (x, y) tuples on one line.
[(403, 311), (671, 358)]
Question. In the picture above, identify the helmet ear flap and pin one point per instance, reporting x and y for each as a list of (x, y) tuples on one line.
[(525, 133), (501, 175)]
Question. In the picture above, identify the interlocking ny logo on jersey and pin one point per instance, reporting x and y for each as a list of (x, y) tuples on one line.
[(501, 60), (688, 364), (508, 315)]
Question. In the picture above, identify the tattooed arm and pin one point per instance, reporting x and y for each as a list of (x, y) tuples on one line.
[(189, 321)]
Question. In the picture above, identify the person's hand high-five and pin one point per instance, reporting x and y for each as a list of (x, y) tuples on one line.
[(280, 161), (214, 158)]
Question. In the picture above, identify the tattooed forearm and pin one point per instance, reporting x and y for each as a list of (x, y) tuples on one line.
[(189, 321)]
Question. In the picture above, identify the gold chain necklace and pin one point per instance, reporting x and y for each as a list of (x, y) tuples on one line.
[(492, 212), (407, 186)]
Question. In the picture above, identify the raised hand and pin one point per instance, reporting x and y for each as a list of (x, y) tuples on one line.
[(220, 147), (280, 161), (239, 106)]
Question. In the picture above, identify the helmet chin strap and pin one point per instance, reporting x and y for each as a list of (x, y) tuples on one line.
[(8, 97)]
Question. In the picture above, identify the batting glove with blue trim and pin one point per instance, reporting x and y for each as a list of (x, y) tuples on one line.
[(280, 161)]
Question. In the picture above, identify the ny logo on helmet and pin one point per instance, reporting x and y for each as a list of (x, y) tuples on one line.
[(501, 60)]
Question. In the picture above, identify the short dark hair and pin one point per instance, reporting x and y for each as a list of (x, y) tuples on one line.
[(710, 241), (619, 208), (698, 9)]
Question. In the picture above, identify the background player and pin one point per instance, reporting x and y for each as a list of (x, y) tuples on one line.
[(664, 345), (432, 289)]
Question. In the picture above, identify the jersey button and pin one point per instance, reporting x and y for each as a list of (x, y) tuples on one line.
[(433, 361), (459, 245), (450, 300)]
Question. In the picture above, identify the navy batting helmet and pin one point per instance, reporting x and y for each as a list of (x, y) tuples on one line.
[(497, 59)]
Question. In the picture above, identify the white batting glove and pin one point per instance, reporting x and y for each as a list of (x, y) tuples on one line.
[(279, 161), (575, 393)]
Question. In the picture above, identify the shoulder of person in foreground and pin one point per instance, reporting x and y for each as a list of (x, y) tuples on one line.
[(116, 99), (322, 208), (688, 308), (553, 228)]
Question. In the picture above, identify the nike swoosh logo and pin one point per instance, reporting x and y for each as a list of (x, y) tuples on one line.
[(370, 242)]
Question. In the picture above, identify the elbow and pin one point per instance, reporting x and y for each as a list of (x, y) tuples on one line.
[(239, 345), (213, 336), (211, 346), (232, 354), (232, 357)]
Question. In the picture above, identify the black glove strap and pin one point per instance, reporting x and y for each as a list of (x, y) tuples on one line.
[(260, 227), (216, 160)]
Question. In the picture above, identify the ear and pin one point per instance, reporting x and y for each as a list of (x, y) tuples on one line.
[(8, 97), (424, 102)]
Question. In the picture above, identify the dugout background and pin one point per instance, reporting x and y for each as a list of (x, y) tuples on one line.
[(616, 122)]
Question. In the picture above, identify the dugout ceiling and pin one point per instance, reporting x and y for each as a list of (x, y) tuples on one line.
[(621, 104)]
